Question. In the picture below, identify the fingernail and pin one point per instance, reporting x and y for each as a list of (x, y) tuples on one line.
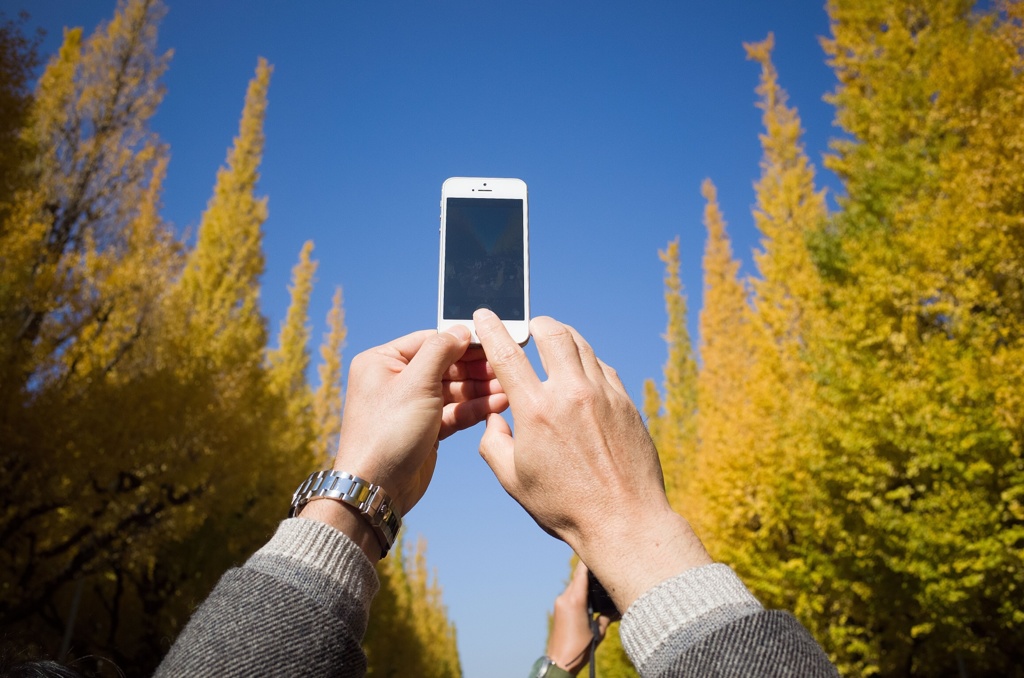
[(483, 314), (459, 331)]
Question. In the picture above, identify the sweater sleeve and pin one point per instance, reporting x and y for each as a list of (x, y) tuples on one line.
[(299, 605), (704, 622)]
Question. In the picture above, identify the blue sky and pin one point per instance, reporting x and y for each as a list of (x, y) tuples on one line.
[(613, 113)]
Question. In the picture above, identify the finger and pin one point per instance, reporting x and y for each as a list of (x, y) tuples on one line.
[(496, 447), (612, 377), (510, 364), (406, 347), (591, 365), (437, 354), (556, 347), (469, 369), (460, 416), (474, 353), (461, 391), (603, 622), (578, 584), (579, 574)]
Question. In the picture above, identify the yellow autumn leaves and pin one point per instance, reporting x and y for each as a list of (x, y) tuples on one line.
[(854, 448), (150, 435)]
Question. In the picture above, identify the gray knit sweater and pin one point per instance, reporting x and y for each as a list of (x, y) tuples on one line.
[(301, 603)]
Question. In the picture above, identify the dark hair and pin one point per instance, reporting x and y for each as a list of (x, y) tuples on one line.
[(40, 669)]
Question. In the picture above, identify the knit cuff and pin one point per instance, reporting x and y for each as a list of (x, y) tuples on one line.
[(681, 611), (322, 562)]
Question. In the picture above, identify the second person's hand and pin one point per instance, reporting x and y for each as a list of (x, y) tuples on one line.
[(571, 629)]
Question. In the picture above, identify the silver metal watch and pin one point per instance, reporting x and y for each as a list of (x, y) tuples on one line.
[(369, 499), (545, 667)]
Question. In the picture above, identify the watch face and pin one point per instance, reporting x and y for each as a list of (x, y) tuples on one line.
[(544, 666)]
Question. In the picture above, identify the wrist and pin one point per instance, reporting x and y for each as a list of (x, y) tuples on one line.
[(643, 553), (347, 520), (545, 667), (370, 460), (570, 666), (371, 503)]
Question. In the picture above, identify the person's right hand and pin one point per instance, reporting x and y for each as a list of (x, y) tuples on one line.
[(582, 463)]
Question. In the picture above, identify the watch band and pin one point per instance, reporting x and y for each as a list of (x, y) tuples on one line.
[(545, 667), (369, 499)]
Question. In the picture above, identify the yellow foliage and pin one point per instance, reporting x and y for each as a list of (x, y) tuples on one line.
[(219, 291), (859, 416), (725, 482), (327, 401), (671, 419), (409, 633), (135, 386), (288, 363), (135, 379), (771, 526)]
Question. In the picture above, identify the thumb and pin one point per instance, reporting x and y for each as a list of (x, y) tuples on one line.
[(496, 447), (579, 579), (603, 622), (437, 354)]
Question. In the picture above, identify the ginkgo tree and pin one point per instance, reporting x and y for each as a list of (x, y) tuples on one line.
[(858, 455), (921, 361), (149, 436)]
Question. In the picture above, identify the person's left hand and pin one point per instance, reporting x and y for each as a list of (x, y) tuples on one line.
[(571, 631), (405, 397)]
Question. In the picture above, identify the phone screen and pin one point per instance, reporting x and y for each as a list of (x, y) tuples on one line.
[(484, 258)]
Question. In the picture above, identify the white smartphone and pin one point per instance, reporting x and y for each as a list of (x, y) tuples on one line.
[(485, 254)]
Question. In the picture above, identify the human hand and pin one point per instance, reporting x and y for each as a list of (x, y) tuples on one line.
[(571, 631), (582, 463), (405, 397)]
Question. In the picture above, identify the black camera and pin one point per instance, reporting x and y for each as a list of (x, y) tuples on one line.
[(598, 600)]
